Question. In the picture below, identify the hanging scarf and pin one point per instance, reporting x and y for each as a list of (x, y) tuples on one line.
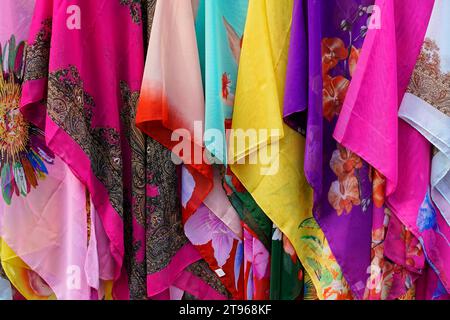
[(280, 182), (224, 34), (88, 97), (341, 181), (168, 105), (11, 56), (42, 198), (426, 106), (384, 142)]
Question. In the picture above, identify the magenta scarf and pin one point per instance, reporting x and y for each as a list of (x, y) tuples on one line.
[(390, 145), (83, 74)]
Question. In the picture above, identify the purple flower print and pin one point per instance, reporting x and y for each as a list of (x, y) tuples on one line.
[(187, 186), (203, 226)]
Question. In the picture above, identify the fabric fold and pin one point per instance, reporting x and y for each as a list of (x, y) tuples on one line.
[(390, 50), (172, 111), (385, 142), (425, 110), (83, 122), (425, 107), (278, 182), (44, 215), (343, 184), (163, 112)]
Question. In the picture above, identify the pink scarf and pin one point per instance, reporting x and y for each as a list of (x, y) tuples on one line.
[(369, 124), (86, 62)]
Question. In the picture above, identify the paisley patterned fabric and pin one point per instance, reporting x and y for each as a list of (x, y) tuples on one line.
[(41, 197), (97, 151)]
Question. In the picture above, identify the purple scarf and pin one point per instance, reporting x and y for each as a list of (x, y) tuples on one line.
[(341, 180)]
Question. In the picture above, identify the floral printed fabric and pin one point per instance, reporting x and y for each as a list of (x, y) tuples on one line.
[(397, 259), (203, 201), (344, 202), (287, 275), (340, 179), (88, 126), (426, 107), (225, 23), (131, 172), (261, 110), (375, 140), (41, 197)]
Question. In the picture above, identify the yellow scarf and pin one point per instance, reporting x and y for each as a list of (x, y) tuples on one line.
[(277, 182)]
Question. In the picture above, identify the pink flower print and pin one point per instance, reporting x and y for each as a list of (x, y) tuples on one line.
[(256, 254), (374, 282), (187, 186), (203, 226)]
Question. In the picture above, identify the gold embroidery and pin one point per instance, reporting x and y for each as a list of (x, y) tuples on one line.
[(38, 54), (71, 108), (135, 9), (88, 215), (136, 141), (428, 81), (148, 12)]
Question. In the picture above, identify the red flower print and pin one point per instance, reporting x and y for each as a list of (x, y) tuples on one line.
[(226, 82), (378, 188), (227, 96), (289, 249), (353, 60), (300, 275), (333, 50), (334, 92), (228, 124), (344, 162)]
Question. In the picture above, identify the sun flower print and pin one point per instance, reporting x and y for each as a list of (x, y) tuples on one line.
[(24, 156)]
